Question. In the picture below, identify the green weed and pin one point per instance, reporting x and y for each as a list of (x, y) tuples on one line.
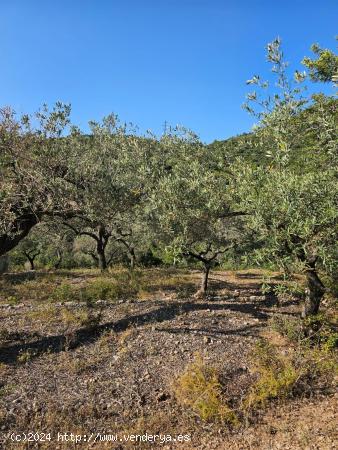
[(199, 389)]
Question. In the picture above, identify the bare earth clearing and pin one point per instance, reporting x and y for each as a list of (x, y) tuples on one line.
[(118, 375)]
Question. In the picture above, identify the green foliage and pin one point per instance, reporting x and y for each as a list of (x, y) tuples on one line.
[(12, 300), (64, 293), (292, 288), (321, 330), (282, 374), (318, 330), (192, 209), (39, 170), (199, 389), (149, 259), (276, 376), (118, 287), (292, 198), (110, 288), (324, 67), (25, 356), (294, 213), (290, 327), (85, 318), (101, 289)]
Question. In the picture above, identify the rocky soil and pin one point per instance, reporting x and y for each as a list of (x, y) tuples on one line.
[(118, 376)]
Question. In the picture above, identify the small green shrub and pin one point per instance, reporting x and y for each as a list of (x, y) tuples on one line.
[(64, 292), (276, 375), (100, 289), (317, 330), (107, 288), (290, 327), (122, 285), (283, 374), (321, 330), (199, 389), (25, 356), (12, 300), (48, 314), (80, 318), (331, 342)]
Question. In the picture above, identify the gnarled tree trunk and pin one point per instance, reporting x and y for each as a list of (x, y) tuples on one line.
[(31, 262), (31, 258), (208, 259), (315, 292), (132, 258), (101, 244), (205, 278), (20, 227), (4, 264), (59, 260), (101, 256)]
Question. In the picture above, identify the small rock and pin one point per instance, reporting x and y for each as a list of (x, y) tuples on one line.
[(255, 298)]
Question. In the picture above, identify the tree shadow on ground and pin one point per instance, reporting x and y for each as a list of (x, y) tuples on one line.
[(166, 311), (213, 332), (217, 283), (188, 286), (249, 275), (14, 278)]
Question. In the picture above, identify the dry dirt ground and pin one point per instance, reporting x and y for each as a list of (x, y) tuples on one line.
[(118, 376)]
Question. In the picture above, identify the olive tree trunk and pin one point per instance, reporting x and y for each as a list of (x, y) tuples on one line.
[(102, 261), (31, 258), (4, 264), (205, 279), (59, 259), (132, 259), (315, 292), (31, 263)]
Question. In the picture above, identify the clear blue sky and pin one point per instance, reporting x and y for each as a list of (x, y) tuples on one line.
[(150, 61)]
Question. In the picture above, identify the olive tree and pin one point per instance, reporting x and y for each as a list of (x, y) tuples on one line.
[(323, 68), (114, 172), (292, 198), (39, 174), (48, 243), (30, 248), (192, 202)]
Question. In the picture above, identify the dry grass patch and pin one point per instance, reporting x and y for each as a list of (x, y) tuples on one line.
[(199, 389), (292, 372)]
